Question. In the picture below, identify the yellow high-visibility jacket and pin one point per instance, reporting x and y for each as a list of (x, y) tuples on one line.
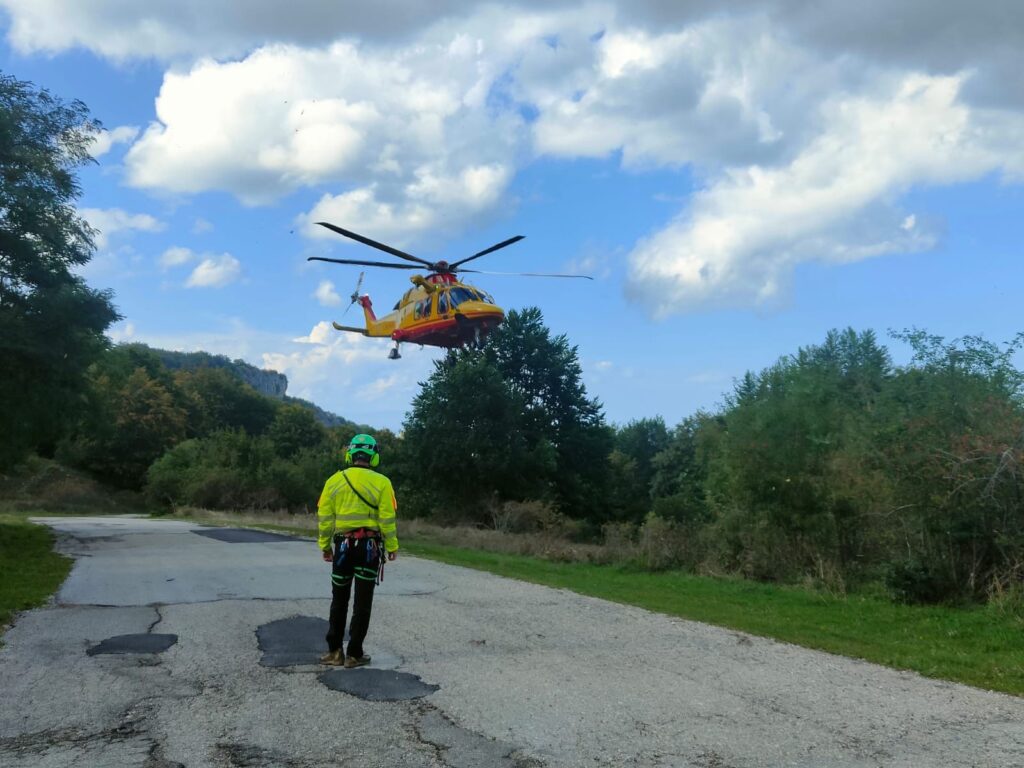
[(341, 510)]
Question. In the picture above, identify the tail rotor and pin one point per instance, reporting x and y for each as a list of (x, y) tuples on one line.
[(355, 294)]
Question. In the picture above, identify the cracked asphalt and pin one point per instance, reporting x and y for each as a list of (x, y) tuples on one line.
[(526, 676)]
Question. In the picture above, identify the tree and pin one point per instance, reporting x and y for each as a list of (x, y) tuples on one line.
[(217, 400), (51, 323), (293, 429), (131, 421), (680, 471), (792, 464), (636, 446), (466, 441), (544, 372), (954, 446)]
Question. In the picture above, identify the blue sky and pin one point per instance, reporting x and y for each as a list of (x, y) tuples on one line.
[(737, 183)]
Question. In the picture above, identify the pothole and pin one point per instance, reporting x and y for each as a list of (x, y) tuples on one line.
[(377, 684), (138, 643), (242, 535)]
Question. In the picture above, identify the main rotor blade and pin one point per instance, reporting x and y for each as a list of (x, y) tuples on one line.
[(373, 243), (524, 274), (484, 252), (365, 263)]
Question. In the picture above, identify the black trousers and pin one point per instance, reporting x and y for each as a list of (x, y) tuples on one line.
[(355, 561)]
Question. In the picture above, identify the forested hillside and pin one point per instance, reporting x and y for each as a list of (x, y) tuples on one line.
[(269, 383)]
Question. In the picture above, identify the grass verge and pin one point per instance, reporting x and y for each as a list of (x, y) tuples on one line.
[(976, 646), (30, 571)]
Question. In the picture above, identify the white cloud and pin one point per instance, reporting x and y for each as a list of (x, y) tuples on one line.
[(326, 294), (322, 333), (803, 124), (110, 221), (175, 257), (351, 374), (744, 234), (402, 128), (430, 202), (166, 29), (104, 140), (201, 226), (215, 272), (122, 332)]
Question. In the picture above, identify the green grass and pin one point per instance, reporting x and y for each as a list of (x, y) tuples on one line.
[(30, 571), (976, 646)]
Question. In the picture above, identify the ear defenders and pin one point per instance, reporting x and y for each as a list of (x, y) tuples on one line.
[(374, 460)]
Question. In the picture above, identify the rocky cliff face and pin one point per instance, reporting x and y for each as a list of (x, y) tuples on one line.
[(269, 383)]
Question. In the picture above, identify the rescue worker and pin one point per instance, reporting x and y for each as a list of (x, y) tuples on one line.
[(356, 520)]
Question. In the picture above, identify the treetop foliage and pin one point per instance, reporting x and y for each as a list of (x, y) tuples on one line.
[(51, 322)]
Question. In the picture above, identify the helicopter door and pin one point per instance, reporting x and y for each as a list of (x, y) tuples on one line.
[(421, 311)]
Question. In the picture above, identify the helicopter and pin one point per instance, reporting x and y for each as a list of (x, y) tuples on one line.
[(439, 310)]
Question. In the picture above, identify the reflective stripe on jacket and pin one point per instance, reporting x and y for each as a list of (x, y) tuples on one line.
[(342, 510)]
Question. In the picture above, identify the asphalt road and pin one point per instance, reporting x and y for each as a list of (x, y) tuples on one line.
[(505, 674)]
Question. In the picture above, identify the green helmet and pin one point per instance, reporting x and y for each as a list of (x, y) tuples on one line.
[(364, 444)]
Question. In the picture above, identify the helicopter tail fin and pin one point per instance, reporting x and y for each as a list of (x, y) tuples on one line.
[(367, 305)]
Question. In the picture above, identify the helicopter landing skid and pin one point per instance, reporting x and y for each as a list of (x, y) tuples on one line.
[(393, 353)]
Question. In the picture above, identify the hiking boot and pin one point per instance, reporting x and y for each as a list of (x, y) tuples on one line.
[(356, 661), (333, 658)]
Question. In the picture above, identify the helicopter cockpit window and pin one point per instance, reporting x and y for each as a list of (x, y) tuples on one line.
[(442, 303), (459, 295)]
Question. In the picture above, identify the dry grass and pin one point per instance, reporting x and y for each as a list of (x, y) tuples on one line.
[(548, 546), (544, 544), (303, 524), (42, 486)]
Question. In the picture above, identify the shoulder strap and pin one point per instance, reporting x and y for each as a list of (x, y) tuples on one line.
[(357, 493)]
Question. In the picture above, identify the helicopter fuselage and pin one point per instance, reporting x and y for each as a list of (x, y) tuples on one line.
[(437, 311)]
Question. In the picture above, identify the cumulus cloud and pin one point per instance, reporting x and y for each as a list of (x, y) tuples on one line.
[(741, 237), (347, 371), (104, 141), (215, 272), (175, 257), (803, 124), (326, 295), (165, 29), (122, 332), (110, 221)]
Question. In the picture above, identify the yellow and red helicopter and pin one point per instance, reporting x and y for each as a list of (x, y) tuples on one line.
[(439, 310)]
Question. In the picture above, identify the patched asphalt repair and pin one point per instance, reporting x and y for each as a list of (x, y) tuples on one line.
[(372, 684), (291, 642), (243, 535), (299, 641), (136, 643)]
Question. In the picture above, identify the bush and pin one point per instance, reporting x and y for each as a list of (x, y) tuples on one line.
[(231, 470), (661, 544), (524, 516), (917, 581), (1006, 592)]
